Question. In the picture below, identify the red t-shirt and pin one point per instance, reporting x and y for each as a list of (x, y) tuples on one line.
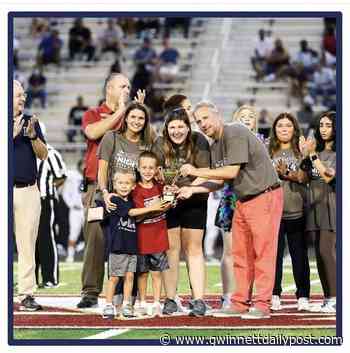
[(91, 161), (152, 233)]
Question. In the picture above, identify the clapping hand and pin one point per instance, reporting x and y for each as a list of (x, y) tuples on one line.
[(302, 146), (311, 145), (17, 126), (30, 130), (281, 167)]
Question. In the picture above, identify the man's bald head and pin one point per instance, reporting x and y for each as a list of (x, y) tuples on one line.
[(115, 85)]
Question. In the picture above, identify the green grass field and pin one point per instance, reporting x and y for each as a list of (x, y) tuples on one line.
[(70, 285)]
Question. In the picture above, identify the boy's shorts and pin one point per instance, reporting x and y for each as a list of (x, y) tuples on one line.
[(152, 262), (119, 264)]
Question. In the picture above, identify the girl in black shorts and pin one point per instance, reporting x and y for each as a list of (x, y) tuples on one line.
[(186, 222)]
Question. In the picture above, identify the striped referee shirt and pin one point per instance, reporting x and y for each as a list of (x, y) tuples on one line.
[(50, 169)]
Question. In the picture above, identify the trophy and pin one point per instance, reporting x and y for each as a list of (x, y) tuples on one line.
[(170, 177)]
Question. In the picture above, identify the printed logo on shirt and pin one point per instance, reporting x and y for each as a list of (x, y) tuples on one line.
[(149, 202), (128, 225), (123, 160)]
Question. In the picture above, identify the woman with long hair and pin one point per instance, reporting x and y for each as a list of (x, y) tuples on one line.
[(120, 149), (320, 169), (186, 222), (248, 116), (285, 154)]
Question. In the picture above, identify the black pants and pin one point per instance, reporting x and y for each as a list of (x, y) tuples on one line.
[(46, 256), (325, 250), (297, 244)]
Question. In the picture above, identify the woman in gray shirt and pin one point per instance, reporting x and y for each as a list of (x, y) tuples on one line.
[(286, 156), (320, 168)]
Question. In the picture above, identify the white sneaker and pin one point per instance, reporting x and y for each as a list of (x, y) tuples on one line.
[(180, 307), (303, 304), (141, 308), (225, 303), (329, 306), (156, 310), (276, 303)]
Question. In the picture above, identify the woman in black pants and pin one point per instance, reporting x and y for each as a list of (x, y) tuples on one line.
[(284, 150), (320, 168)]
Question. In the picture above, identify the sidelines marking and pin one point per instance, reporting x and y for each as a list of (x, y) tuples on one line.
[(107, 334), (308, 327)]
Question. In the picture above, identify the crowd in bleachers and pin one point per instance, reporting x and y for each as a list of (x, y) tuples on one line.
[(311, 72)]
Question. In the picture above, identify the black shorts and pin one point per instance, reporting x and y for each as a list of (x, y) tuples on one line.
[(152, 262), (190, 214)]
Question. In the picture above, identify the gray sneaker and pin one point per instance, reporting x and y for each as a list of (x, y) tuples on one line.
[(170, 307), (255, 313), (128, 310), (198, 308), (108, 312)]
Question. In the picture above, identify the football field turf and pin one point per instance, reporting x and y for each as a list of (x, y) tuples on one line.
[(44, 327)]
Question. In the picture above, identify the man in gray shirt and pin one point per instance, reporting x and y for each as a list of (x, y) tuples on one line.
[(238, 155)]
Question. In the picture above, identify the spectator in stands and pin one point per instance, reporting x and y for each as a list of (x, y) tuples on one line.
[(172, 22), (80, 41), (323, 84), (112, 38), (142, 79), (36, 88), (329, 45), (148, 26), (146, 55), (276, 61), (116, 66), (168, 62), (38, 27), (301, 69), (16, 47), (262, 51), (75, 118), (50, 49)]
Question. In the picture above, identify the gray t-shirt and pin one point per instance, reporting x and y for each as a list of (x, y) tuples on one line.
[(321, 197), (125, 154), (293, 192), (239, 145), (200, 156)]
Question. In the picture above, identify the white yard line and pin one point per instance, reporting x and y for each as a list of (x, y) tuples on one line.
[(107, 334)]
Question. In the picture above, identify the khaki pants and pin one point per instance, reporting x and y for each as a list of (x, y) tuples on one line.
[(26, 209), (93, 265)]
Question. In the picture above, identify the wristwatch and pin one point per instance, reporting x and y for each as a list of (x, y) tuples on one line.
[(314, 157)]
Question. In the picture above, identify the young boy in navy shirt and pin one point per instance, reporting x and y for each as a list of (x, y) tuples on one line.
[(122, 241)]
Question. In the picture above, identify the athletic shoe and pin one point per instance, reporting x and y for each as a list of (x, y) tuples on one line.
[(170, 307), (329, 307), (228, 312), (49, 285), (108, 312), (156, 310), (87, 302), (303, 304), (180, 307), (198, 308), (190, 305), (255, 313), (29, 304), (276, 303), (142, 310), (225, 303), (128, 310)]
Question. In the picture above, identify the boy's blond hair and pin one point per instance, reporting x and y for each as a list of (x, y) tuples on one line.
[(129, 172)]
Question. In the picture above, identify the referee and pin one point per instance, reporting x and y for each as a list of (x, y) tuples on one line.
[(52, 173)]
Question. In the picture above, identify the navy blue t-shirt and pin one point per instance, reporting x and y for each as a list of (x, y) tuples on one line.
[(122, 237), (25, 169)]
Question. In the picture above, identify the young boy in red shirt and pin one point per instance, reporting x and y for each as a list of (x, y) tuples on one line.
[(152, 232)]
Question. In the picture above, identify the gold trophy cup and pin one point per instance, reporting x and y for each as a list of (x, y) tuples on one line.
[(170, 177)]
